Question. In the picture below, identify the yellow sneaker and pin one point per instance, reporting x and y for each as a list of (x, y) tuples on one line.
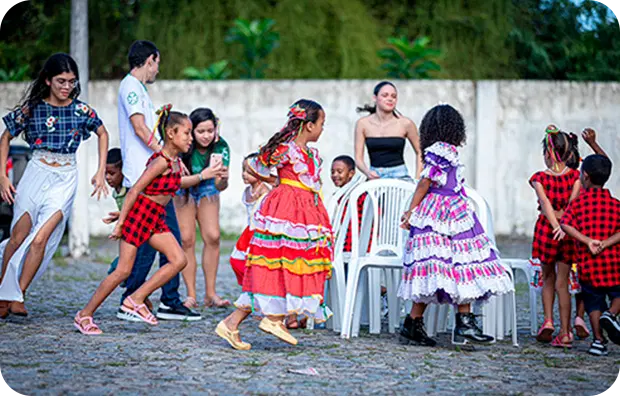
[(277, 329), (232, 337)]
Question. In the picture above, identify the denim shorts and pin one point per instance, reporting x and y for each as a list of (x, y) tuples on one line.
[(595, 298), (205, 189), (393, 172)]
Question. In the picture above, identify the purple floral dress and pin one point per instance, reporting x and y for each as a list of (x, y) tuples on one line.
[(448, 258)]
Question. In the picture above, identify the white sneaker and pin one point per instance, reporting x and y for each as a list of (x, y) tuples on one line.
[(125, 316)]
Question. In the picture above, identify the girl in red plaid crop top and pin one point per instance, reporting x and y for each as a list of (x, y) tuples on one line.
[(555, 187), (167, 183), (142, 219)]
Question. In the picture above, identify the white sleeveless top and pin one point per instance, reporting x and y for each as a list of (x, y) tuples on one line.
[(252, 207)]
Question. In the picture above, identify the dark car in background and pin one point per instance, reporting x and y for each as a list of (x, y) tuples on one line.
[(19, 155)]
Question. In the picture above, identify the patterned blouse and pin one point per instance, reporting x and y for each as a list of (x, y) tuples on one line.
[(53, 128)]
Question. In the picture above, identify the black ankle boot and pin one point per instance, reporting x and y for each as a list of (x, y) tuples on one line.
[(466, 329), (413, 332)]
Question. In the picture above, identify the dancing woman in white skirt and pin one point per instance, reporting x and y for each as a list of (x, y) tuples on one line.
[(53, 122)]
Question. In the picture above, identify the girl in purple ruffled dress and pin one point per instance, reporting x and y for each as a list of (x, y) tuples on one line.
[(448, 258)]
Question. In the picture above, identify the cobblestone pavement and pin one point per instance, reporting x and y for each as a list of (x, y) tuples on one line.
[(43, 354)]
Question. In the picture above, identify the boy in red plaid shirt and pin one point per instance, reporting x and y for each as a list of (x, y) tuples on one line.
[(593, 219), (343, 170)]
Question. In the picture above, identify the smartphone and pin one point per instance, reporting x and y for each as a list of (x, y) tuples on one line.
[(216, 159)]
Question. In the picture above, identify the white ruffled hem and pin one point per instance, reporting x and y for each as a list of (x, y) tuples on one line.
[(294, 230), (451, 227), (272, 305), (425, 289), (445, 151), (463, 251)]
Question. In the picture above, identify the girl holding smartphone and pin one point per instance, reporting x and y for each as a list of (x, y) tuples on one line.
[(201, 203)]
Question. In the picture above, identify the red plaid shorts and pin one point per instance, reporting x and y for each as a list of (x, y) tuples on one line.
[(548, 250), (145, 218)]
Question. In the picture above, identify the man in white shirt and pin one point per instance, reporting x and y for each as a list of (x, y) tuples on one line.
[(136, 120)]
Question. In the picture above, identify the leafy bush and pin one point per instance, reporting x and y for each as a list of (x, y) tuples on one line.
[(19, 74), (216, 71), (409, 60), (258, 40)]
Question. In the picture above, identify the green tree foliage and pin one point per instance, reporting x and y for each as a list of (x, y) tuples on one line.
[(478, 39), (409, 59), (216, 71), (258, 40), (565, 41)]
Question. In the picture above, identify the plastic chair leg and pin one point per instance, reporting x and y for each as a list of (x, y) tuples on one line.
[(359, 303), (374, 298)]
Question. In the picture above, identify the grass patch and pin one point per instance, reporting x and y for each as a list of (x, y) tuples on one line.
[(61, 262), (104, 259), (68, 278), (255, 363), (550, 362), (21, 364), (577, 378), (116, 364)]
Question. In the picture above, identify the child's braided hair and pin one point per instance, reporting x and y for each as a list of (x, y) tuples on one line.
[(302, 111), (562, 147)]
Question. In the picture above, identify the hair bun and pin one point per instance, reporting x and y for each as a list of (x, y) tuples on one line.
[(165, 108)]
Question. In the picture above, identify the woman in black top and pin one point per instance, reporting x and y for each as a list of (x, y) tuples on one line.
[(384, 133)]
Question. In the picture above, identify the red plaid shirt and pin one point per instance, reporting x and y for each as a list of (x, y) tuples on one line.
[(360, 211), (596, 214)]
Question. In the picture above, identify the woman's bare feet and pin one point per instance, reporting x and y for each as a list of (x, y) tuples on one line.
[(216, 302)]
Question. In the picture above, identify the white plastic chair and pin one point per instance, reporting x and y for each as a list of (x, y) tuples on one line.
[(336, 285), (384, 207)]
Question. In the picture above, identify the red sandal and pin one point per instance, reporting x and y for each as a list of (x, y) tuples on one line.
[(88, 328), (563, 341), (135, 311), (545, 334)]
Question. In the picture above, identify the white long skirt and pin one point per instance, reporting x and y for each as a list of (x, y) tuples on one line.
[(42, 191)]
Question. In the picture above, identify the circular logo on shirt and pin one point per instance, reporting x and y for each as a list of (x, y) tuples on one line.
[(132, 98)]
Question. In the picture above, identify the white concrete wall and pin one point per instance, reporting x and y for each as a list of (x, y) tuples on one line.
[(505, 122)]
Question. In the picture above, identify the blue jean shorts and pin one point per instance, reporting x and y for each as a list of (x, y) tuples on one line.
[(393, 172), (205, 189)]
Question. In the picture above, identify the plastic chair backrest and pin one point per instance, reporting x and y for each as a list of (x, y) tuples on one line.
[(383, 209), (483, 212)]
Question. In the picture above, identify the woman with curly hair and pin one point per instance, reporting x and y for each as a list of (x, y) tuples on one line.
[(448, 257)]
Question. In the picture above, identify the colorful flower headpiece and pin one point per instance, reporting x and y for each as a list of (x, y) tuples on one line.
[(297, 112), (163, 111), (550, 131)]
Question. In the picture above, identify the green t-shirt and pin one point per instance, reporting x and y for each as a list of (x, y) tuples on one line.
[(200, 161), (119, 197)]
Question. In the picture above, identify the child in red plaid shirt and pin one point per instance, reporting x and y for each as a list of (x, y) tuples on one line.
[(142, 219), (555, 187), (593, 219)]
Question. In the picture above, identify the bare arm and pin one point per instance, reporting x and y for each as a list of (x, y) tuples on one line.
[(155, 168), (545, 206), (420, 192), (98, 181), (207, 173), (589, 135), (360, 139), (611, 241), (139, 126), (414, 139), (575, 234), (6, 187)]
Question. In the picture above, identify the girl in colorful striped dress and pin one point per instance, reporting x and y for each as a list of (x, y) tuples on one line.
[(291, 251)]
